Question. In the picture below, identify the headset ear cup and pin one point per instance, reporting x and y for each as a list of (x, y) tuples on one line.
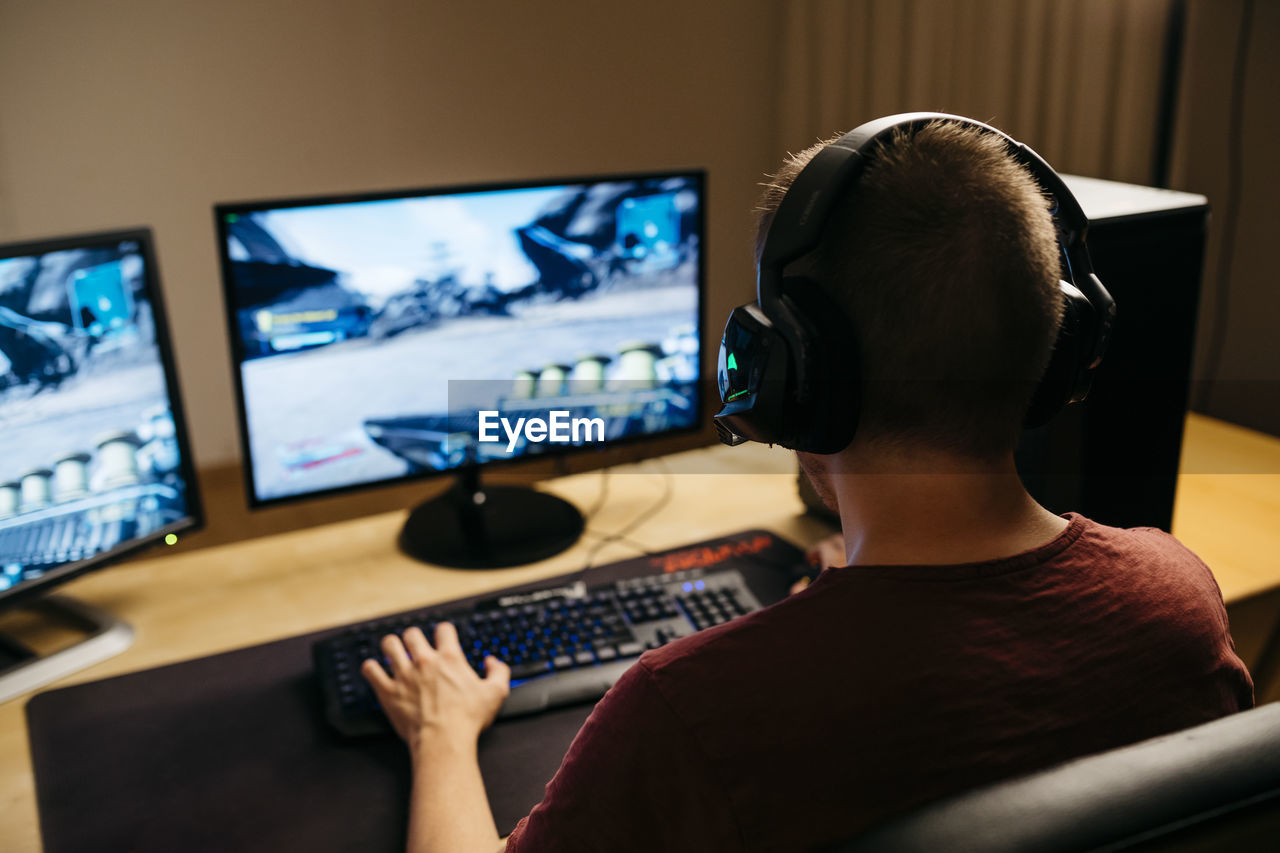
[(827, 395), (1067, 377), (752, 377)]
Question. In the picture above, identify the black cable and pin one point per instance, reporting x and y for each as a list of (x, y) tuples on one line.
[(621, 535), (639, 547), (1231, 213), (600, 498), (645, 550)]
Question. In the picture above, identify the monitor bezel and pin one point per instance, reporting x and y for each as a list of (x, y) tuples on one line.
[(195, 518), (235, 345)]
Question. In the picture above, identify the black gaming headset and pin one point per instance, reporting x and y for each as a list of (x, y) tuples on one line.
[(786, 372)]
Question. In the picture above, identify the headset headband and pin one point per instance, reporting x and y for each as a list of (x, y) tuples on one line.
[(801, 218)]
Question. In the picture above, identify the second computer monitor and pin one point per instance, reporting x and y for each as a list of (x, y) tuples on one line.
[(94, 461), (370, 334)]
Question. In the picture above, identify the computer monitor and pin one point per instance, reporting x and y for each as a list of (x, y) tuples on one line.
[(390, 336), (94, 459)]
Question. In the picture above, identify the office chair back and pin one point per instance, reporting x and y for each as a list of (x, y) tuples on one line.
[(1212, 787)]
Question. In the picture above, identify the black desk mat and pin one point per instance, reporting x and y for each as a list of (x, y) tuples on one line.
[(231, 752)]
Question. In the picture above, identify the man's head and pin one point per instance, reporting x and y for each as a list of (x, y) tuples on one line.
[(944, 260)]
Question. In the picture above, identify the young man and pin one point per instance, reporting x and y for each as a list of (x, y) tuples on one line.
[(968, 635)]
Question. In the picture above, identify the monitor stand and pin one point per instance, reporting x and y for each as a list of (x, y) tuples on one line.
[(22, 670), (489, 527)]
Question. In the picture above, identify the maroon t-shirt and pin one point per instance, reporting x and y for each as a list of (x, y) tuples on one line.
[(879, 688)]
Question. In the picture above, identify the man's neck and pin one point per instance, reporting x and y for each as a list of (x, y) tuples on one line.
[(936, 509)]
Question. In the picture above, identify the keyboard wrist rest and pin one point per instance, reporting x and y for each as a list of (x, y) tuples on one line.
[(577, 685)]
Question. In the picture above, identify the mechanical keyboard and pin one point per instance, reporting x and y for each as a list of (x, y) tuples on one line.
[(564, 644)]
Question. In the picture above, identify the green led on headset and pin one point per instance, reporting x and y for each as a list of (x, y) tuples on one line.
[(732, 363)]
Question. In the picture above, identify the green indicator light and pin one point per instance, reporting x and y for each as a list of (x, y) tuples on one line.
[(232, 218), (732, 363), (736, 394), (171, 539)]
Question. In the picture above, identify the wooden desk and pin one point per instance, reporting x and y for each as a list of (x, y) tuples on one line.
[(210, 600), (1228, 504), (205, 601)]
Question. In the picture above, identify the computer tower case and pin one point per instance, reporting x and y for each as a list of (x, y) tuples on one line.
[(1115, 458)]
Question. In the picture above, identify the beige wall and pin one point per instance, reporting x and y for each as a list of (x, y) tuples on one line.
[(148, 111)]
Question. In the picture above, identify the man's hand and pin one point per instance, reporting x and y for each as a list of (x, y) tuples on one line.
[(825, 554), (438, 704), (435, 697)]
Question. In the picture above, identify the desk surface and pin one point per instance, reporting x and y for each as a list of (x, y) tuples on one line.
[(211, 600)]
